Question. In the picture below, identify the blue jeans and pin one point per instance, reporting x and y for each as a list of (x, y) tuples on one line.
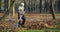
[(23, 18)]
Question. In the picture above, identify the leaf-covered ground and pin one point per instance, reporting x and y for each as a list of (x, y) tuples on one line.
[(32, 24)]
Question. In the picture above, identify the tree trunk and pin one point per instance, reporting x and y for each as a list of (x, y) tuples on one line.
[(59, 6), (40, 6), (0, 5), (51, 9)]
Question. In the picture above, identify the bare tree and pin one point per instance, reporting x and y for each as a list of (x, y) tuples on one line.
[(40, 5), (0, 5), (52, 9)]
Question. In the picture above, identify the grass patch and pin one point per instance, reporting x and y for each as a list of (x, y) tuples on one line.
[(41, 31), (46, 30)]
